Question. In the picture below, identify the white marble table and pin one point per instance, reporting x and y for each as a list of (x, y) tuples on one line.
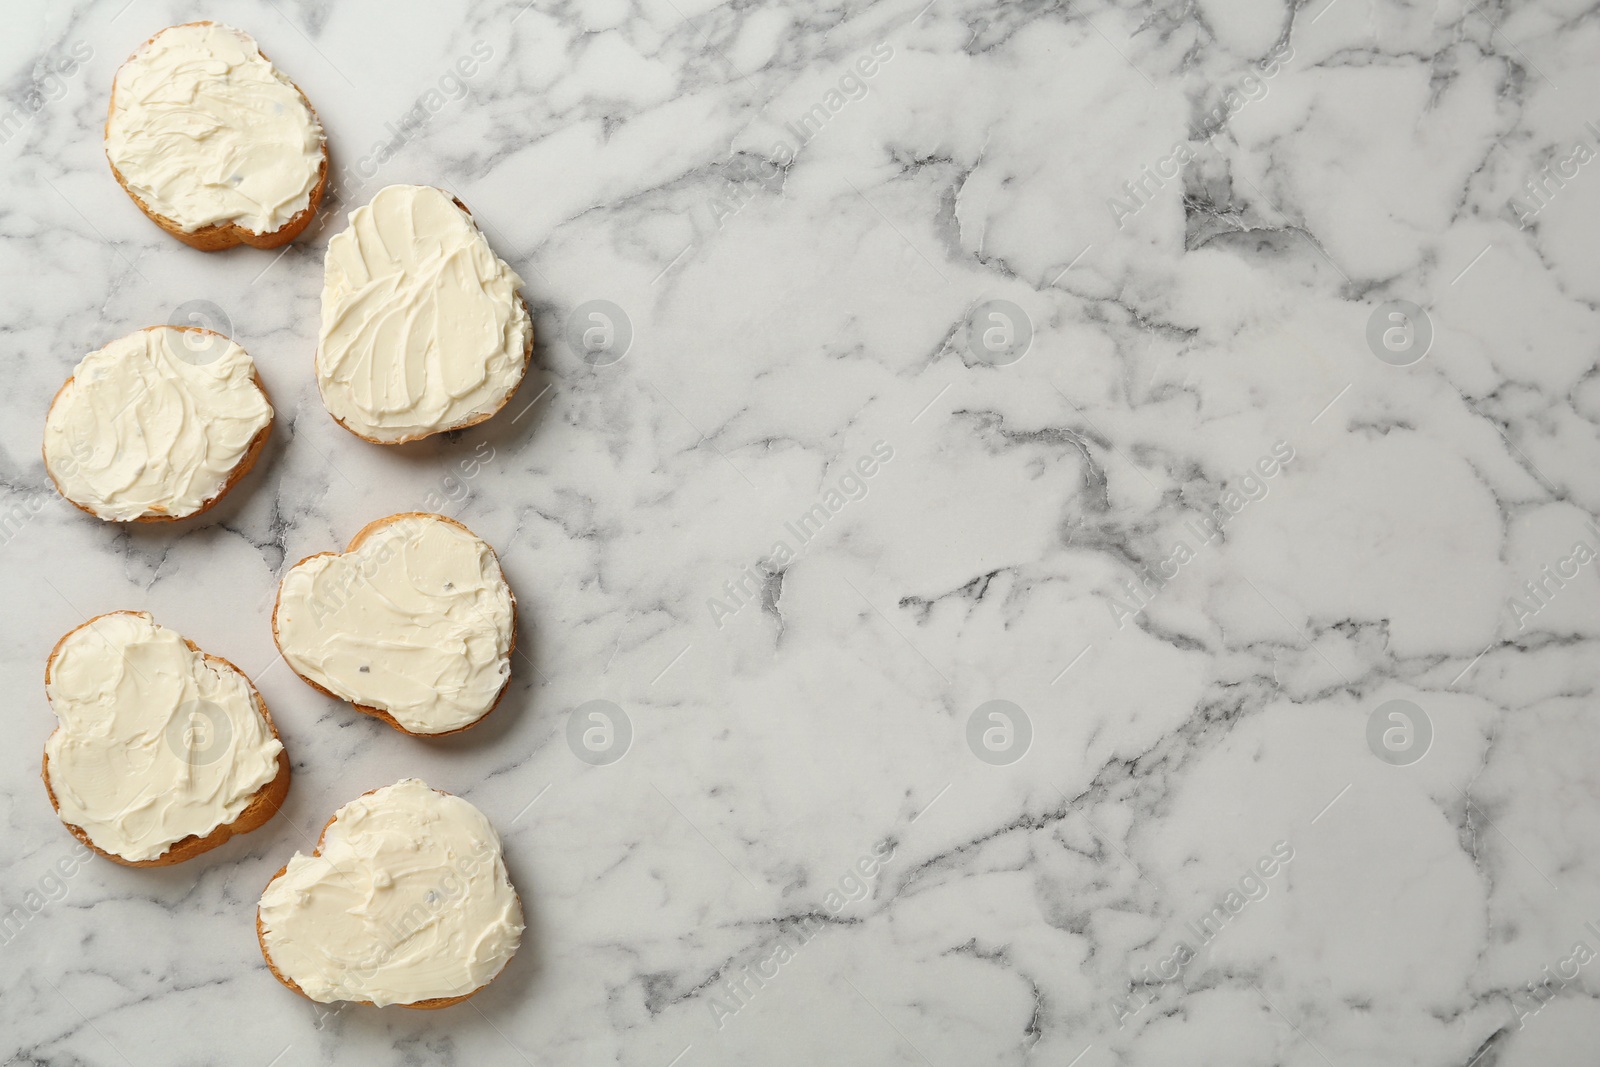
[(1221, 512)]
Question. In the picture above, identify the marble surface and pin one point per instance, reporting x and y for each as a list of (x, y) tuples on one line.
[(1222, 512)]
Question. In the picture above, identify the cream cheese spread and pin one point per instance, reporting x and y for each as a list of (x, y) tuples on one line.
[(205, 130), (407, 900), (154, 423), (156, 743), (422, 327), (417, 621)]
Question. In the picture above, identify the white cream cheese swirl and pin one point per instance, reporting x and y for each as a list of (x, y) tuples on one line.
[(156, 743), (408, 900), (204, 130), (154, 423), (422, 327), (417, 621)]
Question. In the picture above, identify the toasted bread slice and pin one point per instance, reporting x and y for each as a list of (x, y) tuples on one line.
[(361, 538), (227, 462), (337, 400), (227, 232), (466, 858), (264, 802)]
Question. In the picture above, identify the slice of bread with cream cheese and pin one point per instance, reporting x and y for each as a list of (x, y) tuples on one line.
[(162, 752), (405, 900), (213, 142), (157, 425), (423, 329), (414, 623)]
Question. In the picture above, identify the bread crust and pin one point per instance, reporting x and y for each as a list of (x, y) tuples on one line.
[(252, 452), (527, 361), (356, 542), (263, 806), (221, 235), (422, 1005)]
